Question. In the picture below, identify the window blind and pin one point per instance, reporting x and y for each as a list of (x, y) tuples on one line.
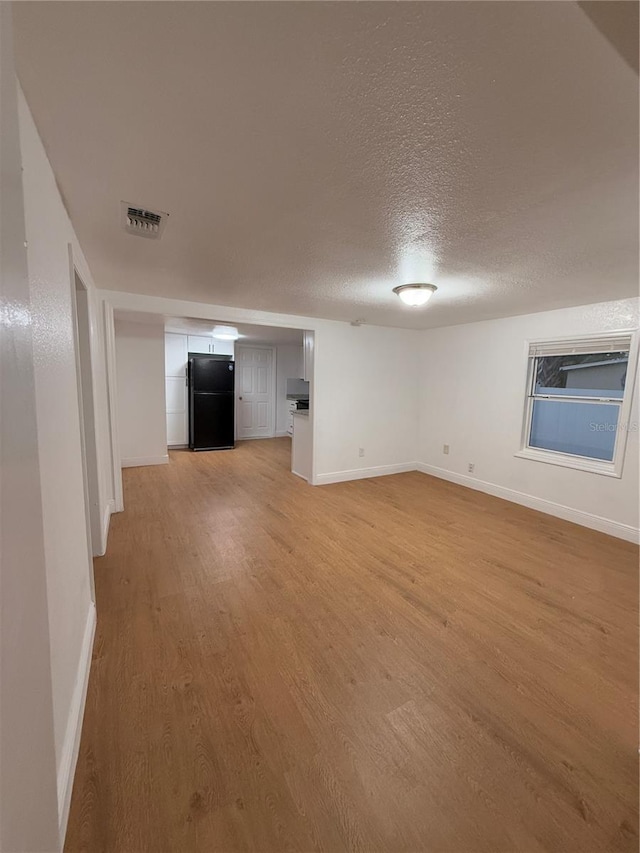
[(620, 342)]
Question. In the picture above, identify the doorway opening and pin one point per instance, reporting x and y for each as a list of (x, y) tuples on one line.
[(273, 381), (272, 391), (84, 377)]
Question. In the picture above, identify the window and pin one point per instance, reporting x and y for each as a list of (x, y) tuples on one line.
[(578, 401)]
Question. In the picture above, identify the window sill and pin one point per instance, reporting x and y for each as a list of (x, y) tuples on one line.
[(591, 466)]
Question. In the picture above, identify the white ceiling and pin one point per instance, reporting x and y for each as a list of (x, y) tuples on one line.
[(314, 155)]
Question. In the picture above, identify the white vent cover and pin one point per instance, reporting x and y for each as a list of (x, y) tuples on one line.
[(143, 222)]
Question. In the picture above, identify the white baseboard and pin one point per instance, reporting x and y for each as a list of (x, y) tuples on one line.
[(106, 521), (586, 519), (363, 473), (282, 434), (71, 745), (139, 461)]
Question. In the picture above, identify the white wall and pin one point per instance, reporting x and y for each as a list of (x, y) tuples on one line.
[(71, 612), (50, 237), (52, 648), (365, 396), (288, 366), (363, 393), (28, 791), (472, 394), (401, 395), (142, 426)]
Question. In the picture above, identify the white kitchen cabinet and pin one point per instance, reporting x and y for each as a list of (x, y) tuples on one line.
[(210, 346), (175, 354), (175, 384), (224, 348), (201, 343), (175, 388), (301, 446), (177, 429), (292, 407)]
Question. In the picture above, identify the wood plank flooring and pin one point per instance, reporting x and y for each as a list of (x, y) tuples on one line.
[(397, 664)]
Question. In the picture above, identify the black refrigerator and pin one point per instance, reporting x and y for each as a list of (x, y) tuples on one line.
[(211, 402)]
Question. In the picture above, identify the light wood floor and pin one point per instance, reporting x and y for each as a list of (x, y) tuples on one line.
[(396, 664)]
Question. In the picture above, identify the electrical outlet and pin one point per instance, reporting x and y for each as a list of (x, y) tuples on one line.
[(471, 467), (361, 451), (445, 449)]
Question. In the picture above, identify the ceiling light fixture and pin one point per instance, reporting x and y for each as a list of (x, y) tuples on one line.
[(415, 295), (225, 333)]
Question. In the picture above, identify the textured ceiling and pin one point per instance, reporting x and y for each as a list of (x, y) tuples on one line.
[(314, 155)]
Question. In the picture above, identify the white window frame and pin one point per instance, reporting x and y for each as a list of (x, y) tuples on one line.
[(611, 468)]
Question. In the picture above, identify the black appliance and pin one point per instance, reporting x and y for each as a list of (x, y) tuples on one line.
[(211, 402)]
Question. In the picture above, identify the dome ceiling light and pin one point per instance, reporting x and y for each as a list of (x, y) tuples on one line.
[(415, 295), (225, 333)]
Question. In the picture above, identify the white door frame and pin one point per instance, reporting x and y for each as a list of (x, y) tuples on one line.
[(87, 431), (272, 431), (112, 401)]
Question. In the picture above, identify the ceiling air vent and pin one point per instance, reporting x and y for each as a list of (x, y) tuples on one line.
[(143, 222)]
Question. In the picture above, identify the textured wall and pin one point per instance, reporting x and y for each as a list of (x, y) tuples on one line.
[(28, 802), (67, 549)]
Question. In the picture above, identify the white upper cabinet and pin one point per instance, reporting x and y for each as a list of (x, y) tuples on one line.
[(209, 346), (224, 347), (175, 354), (201, 343)]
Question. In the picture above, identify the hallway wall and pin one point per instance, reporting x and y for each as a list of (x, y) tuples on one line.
[(27, 748), (71, 612)]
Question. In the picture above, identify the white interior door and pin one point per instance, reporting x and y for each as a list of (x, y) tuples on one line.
[(255, 392)]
